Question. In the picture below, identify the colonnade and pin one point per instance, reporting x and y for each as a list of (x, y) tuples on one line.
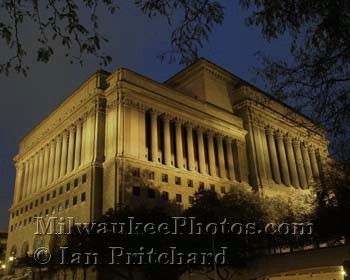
[(54, 160), (193, 147), (292, 161)]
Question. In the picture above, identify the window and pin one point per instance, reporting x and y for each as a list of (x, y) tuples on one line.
[(136, 191), (177, 180), (29, 220), (212, 187), (61, 190), (151, 175), (26, 209), (17, 213), (48, 197), (22, 210), (83, 197), (164, 178), (76, 182), (42, 200), (201, 186), (46, 212), (165, 195), (178, 198), (36, 203), (223, 190), (83, 179), (54, 194), (11, 228), (67, 204), (190, 183), (75, 200), (68, 187), (13, 214), (135, 172), (31, 206), (151, 193), (191, 199)]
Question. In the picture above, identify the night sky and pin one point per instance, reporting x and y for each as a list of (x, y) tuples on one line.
[(135, 42)]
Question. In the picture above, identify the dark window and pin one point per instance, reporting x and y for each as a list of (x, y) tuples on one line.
[(191, 199), (178, 198), (165, 178), (67, 204), (31, 206), (48, 197), (29, 220), (83, 196), (22, 210), (83, 179), (177, 180), (212, 187), (135, 172), (190, 183), (13, 214), (136, 191), (42, 200), (54, 194), (151, 193), (46, 212), (68, 187), (36, 203), (151, 175), (75, 200), (201, 186), (61, 190), (11, 228), (165, 195), (76, 182), (223, 190), (17, 213), (26, 208)]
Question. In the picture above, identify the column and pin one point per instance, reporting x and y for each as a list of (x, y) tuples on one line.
[(77, 155), (307, 164), (291, 160), (58, 151), (283, 159), (71, 142), (211, 153), (26, 179), (40, 170), (299, 163), (313, 161), (221, 157), (178, 144), (63, 167), (154, 136), (166, 139), (51, 161), (35, 172), (190, 148), (46, 165), (240, 154), (273, 155), (18, 183), (259, 150), (230, 163), (201, 151), (265, 151), (30, 176)]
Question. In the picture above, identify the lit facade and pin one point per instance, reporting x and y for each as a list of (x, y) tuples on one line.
[(203, 128)]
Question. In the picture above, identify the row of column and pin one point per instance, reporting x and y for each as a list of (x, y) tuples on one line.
[(292, 162), (57, 158), (215, 156)]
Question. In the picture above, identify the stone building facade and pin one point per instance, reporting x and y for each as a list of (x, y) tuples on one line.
[(204, 128)]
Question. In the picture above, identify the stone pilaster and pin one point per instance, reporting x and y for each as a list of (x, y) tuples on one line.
[(58, 152), (63, 167), (178, 144), (166, 139), (299, 163), (31, 176), (40, 170), (307, 163), (78, 144), (211, 153), (230, 162), (283, 159), (201, 151), (314, 164), (221, 157), (273, 155), (190, 147), (291, 161), (71, 144), (26, 180), (51, 161), (35, 173), (46, 165)]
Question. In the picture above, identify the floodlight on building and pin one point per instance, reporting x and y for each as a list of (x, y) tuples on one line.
[(3, 266), (11, 259)]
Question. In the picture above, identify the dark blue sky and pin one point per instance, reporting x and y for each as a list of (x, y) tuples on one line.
[(135, 42)]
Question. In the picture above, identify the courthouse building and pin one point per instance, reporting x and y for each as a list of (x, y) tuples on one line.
[(123, 138)]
